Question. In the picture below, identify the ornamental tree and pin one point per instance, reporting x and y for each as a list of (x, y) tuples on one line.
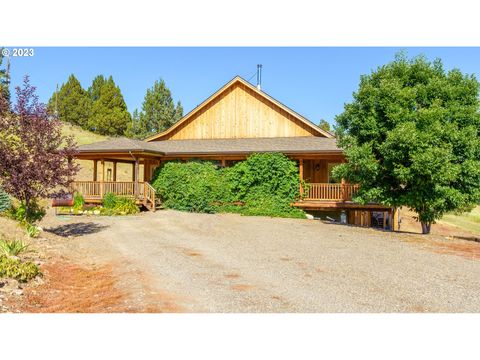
[(411, 138), (40, 163)]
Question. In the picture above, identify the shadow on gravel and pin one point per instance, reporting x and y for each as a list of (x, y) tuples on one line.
[(77, 229)]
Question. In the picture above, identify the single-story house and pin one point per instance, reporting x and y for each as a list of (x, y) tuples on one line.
[(237, 120)]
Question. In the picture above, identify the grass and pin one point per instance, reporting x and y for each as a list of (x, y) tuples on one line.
[(468, 221), (82, 137)]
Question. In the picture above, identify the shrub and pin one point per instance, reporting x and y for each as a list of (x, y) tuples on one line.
[(118, 205), (264, 175), (125, 206), (32, 230), (265, 183), (192, 186), (13, 247), (5, 202), (16, 269), (78, 201), (20, 214), (109, 200)]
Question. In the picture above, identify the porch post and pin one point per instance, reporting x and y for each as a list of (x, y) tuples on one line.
[(95, 170), (133, 171), (136, 173), (114, 175), (300, 171), (145, 170), (102, 185)]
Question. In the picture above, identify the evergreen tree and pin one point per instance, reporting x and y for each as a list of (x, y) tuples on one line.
[(4, 83), (96, 87), (73, 103), (158, 112), (324, 125), (133, 129), (109, 111), (178, 112)]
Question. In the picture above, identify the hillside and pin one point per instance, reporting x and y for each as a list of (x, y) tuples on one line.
[(82, 137), (468, 221)]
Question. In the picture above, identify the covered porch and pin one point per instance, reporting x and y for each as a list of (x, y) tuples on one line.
[(132, 182)]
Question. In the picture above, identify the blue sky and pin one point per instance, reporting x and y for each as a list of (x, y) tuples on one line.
[(315, 81)]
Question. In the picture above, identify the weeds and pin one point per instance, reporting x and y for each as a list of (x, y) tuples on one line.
[(13, 247)]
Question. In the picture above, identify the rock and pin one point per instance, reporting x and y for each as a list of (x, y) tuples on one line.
[(309, 216), (9, 286), (39, 228), (17, 292), (96, 212)]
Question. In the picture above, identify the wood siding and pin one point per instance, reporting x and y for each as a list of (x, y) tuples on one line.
[(240, 112)]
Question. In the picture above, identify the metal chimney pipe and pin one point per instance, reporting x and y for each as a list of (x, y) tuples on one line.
[(259, 76)]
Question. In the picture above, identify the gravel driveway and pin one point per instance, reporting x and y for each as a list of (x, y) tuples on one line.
[(230, 263)]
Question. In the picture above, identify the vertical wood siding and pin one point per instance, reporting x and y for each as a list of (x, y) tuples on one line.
[(239, 112)]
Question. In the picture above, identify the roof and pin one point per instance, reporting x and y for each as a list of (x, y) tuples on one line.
[(238, 79), (288, 145), (119, 145)]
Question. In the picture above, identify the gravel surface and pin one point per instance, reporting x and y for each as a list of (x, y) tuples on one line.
[(230, 263)]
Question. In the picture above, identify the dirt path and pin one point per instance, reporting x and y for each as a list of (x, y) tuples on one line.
[(174, 262)]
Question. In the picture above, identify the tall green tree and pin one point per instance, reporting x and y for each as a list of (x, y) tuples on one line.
[(72, 103), (109, 114), (158, 112), (95, 89), (4, 83), (324, 125), (412, 138)]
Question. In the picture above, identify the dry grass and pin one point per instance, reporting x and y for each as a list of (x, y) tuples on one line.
[(468, 221)]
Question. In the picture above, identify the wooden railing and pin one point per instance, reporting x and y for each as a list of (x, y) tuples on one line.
[(149, 194), (95, 190), (326, 191)]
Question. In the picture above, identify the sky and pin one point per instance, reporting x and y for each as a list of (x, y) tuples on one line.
[(314, 81)]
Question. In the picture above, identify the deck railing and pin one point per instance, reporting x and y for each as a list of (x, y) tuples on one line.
[(95, 190), (149, 194), (327, 191)]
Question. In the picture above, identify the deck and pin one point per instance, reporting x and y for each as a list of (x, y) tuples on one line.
[(94, 191), (333, 196)]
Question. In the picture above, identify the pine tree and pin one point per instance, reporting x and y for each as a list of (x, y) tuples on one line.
[(4, 85), (178, 112), (133, 129), (158, 112), (324, 125), (96, 87), (109, 111), (73, 103)]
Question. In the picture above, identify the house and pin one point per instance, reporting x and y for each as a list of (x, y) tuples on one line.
[(234, 122)]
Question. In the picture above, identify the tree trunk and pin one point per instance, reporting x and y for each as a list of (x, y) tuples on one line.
[(426, 226)]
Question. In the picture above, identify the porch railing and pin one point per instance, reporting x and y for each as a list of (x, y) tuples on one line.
[(327, 191), (95, 190)]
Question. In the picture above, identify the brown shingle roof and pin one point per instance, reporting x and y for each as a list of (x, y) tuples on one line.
[(289, 145)]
